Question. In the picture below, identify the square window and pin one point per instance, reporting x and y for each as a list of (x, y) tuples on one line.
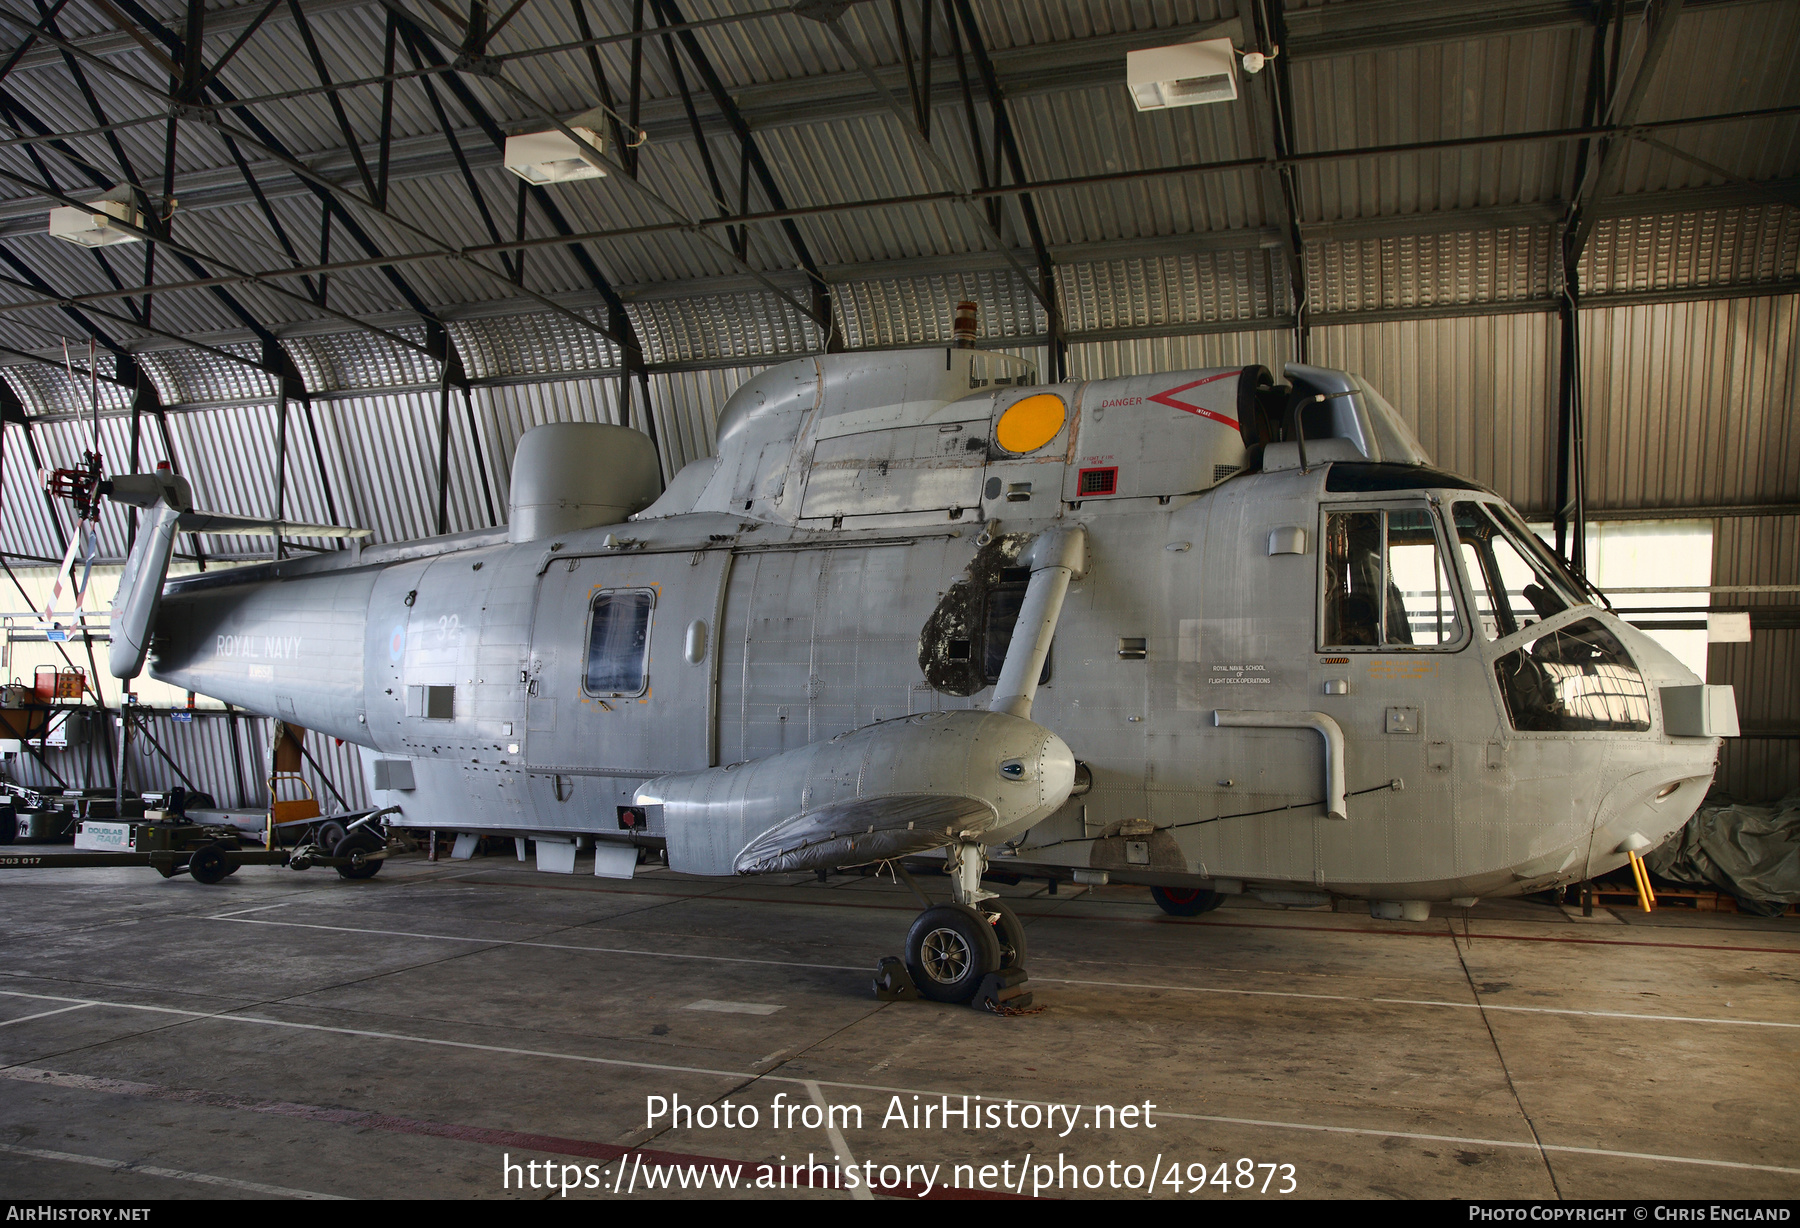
[(619, 642)]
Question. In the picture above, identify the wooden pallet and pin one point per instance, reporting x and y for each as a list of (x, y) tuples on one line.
[(1608, 896)]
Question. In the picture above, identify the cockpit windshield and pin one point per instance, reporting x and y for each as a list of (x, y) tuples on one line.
[(1513, 579)]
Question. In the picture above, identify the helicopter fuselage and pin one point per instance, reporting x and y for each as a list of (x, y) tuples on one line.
[(1306, 672)]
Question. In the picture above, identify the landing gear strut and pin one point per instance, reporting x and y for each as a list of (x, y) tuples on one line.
[(972, 950)]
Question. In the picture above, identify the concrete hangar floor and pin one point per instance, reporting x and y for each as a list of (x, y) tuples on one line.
[(289, 1035)]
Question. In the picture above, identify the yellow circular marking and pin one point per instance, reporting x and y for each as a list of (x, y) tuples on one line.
[(1030, 424)]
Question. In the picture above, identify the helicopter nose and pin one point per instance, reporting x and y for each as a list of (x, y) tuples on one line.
[(1674, 760)]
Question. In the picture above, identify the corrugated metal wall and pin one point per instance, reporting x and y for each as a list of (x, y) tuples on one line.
[(1693, 403), (203, 749), (1480, 391), (1766, 671)]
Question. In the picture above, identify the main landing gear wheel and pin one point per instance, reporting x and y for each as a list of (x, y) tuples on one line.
[(949, 951), (1186, 901), (357, 846)]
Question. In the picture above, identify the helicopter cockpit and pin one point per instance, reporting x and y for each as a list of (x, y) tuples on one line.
[(1388, 586)]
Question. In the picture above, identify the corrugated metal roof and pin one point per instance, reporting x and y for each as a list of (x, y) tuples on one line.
[(1111, 359), (1714, 247), (727, 326), (530, 345), (1194, 288), (1421, 88), (1487, 266), (919, 310)]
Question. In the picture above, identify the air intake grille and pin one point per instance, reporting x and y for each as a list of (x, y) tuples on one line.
[(1097, 482)]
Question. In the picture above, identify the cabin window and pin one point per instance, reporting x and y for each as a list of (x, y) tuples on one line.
[(1003, 602), (1386, 585), (1513, 585), (619, 642), (1578, 678)]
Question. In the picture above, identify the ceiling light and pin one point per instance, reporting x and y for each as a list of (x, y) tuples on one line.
[(552, 157), (1184, 75), (99, 223)]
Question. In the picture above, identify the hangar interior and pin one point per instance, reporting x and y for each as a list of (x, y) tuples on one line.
[(1563, 239)]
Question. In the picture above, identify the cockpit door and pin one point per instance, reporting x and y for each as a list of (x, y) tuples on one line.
[(1395, 670)]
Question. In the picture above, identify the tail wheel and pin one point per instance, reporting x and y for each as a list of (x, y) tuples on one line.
[(1008, 930), (949, 950), (1185, 901), (356, 847)]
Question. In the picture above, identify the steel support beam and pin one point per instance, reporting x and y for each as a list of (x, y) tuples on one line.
[(619, 327), (489, 72), (1005, 143), (1269, 32), (1044, 292), (752, 160)]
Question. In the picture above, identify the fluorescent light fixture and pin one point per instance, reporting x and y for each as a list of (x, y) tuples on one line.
[(1184, 75), (96, 224), (551, 157)]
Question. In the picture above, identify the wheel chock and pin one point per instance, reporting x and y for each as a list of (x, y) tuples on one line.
[(892, 981), (1003, 992)]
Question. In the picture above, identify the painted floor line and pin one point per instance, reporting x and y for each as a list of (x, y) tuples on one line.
[(515, 1140), (151, 1170), (227, 1017), (667, 1067), (711, 897), (224, 916), (732, 1008), (1059, 980), (547, 946), (1519, 1145), (1433, 1002), (61, 1010), (842, 1153)]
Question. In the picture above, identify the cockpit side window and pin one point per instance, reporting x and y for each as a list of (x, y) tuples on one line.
[(1386, 584), (1512, 588), (1578, 678), (619, 642)]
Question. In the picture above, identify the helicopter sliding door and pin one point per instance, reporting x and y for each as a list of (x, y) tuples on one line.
[(620, 679)]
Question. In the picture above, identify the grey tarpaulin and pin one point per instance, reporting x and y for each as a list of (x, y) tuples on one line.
[(1753, 852)]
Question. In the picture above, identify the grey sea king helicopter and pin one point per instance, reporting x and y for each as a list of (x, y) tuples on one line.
[(1198, 631)]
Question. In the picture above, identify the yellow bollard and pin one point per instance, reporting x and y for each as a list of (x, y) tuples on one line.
[(1646, 897)]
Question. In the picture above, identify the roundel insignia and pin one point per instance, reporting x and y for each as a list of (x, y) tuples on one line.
[(397, 642), (1028, 425)]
